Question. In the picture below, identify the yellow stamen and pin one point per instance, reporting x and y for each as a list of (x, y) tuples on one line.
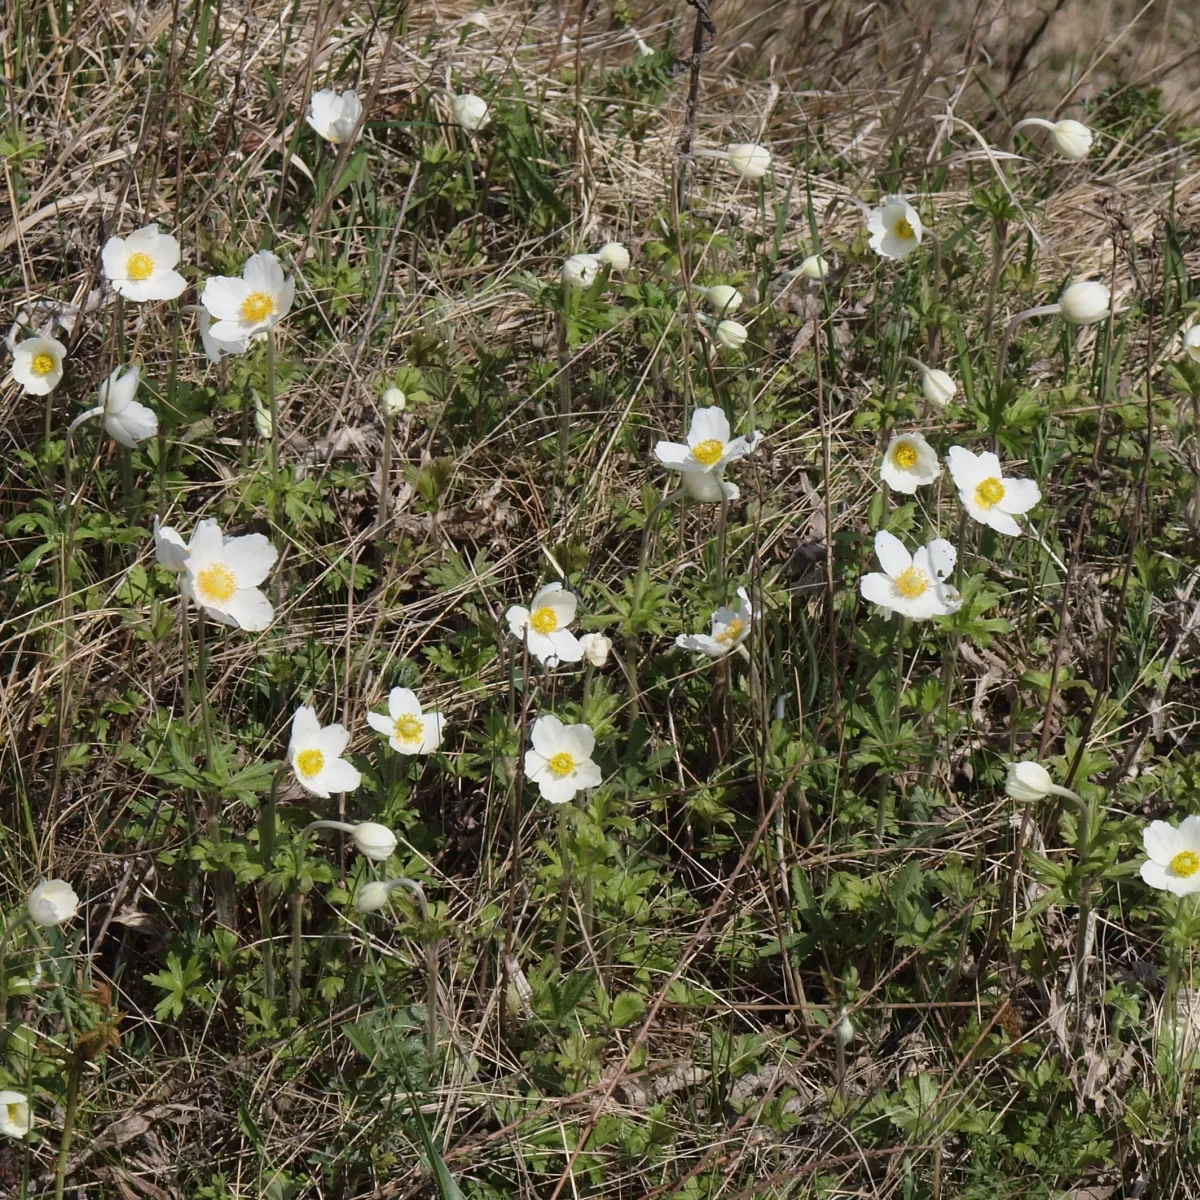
[(731, 632), (409, 728), (310, 762), (43, 363), (902, 229), (257, 306), (708, 452), (561, 764), (1185, 863), (905, 456), (911, 583), (216, 583), (989, 493), (14, 1114), (544, 620), (139, 267)]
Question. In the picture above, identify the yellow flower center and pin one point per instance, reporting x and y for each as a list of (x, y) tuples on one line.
[(139, 266), (989, 493), (257, 306), (216, 584), (43, 363), (14, 1114), (708, 452), (409, 728), (905, 456), (561, 764), (544, 619), (1185, 863), (911, 583), (310, 762), (902, 229), (731, 632)]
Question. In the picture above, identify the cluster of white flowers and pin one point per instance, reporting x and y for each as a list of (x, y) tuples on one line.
[(581, 270)]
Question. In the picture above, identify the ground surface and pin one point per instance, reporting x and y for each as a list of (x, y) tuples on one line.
[(801, 941)]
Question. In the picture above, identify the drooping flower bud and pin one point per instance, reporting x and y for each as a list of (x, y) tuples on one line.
[(1085, 302)]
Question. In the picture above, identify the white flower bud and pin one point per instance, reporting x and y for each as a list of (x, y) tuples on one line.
[(1084, 303), (731, 334), (1191, 343), (372, 896), (262, 420), (614, 255), (373, 841), (845, 1031), (53, 902), (723, 297), (1028, 781), (595, 648), (814, 267), (394, 402), (748, 159), (1072, 139), (580, 270), (470, 111), (938, 387)]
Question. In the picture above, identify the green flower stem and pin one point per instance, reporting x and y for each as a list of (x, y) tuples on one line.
[(6, 932), (564, 895), (266, 846), (385, 475), (64, 1146), (274, 408), (429, 942), (1041, 310)]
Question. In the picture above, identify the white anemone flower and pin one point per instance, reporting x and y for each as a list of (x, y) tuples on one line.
[(52, 902), (580, 270), (544, 626), (1174, 862), (709, 447), (895, 228), (142, 266), (315, 754), (730, 628), (908, 463), (336, 118), (1028, 782), (38, 364), (1072, 139), (1085, 302), (216, 348), (223, 574), (914, 585), (126, 421), (938, 387), (986, 494), (16, 1119), (560, 762), (393, 402), (170, 549), (470, 111), (253, 304), (408, 729), (1191, 343), (615, 256)]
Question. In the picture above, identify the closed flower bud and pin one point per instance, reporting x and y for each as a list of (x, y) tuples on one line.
[(595, 648), (262, 420), (814, 267), (1085, 303), (53, 902), (580, 270), (844, 1032), (1072, 139), (373, 841), (731, 334), (394, 403), (470, 111), (614, 255), (938, 387), (372, 896), (1191, 343), (723, 297), (748, 159), (1028, 781)]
